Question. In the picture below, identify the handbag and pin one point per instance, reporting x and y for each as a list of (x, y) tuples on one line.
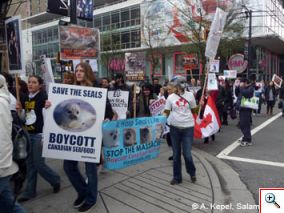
[(251, 103), (280, 104)]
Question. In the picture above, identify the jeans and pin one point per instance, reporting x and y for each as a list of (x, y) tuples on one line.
[(7, 204), (89, 190), (245, 121), (36, 164), (282, 105), (182, 139)]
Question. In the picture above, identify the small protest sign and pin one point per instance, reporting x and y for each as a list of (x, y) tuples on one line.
[(119, 102), (214, 66), (277, 80), (212, 83), (230, 74)]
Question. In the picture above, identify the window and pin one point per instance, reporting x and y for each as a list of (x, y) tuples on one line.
[(106, 20), (115, 41), (125, 18), (135, 13), (115, 18)]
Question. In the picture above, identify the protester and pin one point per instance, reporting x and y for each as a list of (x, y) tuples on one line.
[(245, 90), (181, 121), (87, 192), (7, 166), (270, 97), (33, 115), (228, 101), (120, 85), (105, 83), (156, 86), (68, 78), (281, 97), (145, 99)]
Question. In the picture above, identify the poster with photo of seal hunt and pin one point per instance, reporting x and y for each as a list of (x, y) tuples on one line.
[(73, 123)]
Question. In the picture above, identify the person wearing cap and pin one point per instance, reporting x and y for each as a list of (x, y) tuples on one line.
[(178, 108), (245, 90), (7, 165)]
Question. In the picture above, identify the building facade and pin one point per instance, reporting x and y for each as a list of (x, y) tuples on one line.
[(122, 27)]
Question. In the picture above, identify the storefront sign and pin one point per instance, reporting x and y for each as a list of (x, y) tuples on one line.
[(238, 63)]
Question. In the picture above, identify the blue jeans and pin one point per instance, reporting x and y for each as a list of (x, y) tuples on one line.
[(182, 139), (87, 190), (7, 204), (36, 164)]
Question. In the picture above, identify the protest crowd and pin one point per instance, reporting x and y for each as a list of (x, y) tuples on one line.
[(185, 102)]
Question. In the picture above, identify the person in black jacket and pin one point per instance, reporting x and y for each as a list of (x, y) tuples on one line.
[(281, 97), (245, 90), (270, 97), (228, 102)]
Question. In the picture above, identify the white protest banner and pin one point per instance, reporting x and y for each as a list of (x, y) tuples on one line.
[(157, 106), (215, 33), (119, 102), (73, 123), (230, 74), (212, 83), (277, 80), (214, 66), (46, 71)]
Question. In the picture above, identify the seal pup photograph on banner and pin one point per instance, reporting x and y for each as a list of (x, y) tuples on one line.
[(74, 115)]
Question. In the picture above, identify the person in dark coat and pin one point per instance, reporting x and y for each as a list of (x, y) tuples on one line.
[(270, 97)]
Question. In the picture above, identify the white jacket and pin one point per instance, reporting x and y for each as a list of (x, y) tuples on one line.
[(7, 166)]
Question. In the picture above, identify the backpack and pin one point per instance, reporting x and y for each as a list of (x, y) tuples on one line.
[(21, 147)]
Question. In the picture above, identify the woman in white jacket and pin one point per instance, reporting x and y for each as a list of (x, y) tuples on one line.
[(7, 166)]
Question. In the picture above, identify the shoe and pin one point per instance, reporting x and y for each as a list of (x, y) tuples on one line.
[(86, 207), (170, 158), (240, 140), (78, 202), (175, 182), (225, 123), (249, 143), (206, 140), (244, 143), (23, 199), (56, 188), (193, 179)]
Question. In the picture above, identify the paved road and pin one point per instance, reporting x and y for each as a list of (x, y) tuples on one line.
[(268, 146)]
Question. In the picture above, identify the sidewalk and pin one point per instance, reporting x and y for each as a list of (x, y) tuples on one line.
[(145, 188)]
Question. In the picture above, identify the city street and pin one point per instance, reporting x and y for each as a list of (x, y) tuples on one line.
[(259, 165)]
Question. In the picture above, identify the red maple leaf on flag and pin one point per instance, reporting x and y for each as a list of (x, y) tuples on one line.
[(206, 121)]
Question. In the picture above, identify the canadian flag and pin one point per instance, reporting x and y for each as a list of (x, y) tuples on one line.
[(210, 124)]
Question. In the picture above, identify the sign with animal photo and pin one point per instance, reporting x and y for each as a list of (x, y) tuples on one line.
[(119, 102), (135, 66), (212, 83), (277, 80), (132, 141), (214, 66), (14, 45), (73, 123), (78, 42)]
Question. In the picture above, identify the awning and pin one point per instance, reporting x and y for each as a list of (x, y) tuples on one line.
[(42, 18), (271, 42)]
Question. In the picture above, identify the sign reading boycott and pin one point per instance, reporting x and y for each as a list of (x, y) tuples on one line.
[(132, 141), (73, 123), (119, 102), (157, 106)]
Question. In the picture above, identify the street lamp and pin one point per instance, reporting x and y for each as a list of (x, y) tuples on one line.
[(248, 14)]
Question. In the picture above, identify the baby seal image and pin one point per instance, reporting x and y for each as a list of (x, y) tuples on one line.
[(110, 138), (74, 115), (145, 135), (129, 137)]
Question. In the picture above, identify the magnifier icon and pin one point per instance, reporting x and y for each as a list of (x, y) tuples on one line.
[(270, 198)]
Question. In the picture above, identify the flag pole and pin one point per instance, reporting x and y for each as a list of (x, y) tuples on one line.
[(134, 100), (204, 85)]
